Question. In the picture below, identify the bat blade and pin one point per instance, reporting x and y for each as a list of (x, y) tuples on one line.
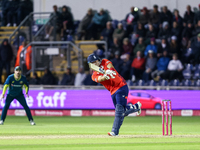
[(96, 68)]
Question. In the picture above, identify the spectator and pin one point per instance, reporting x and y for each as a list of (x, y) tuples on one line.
[(174, 47), (131, 20), (188, 16), (133, 39), (58, 22), (184, 43), (161, 66), (176, 30), (197, 29), (188, 31), (115, 47), (140, 31), (25, 8), (149, 66), (127, 47), (151, 33), (4, 9), (187, 55), (164, 31), (119, 32), (98, 23), (25, 57), (12, 13), (117, 62), (139, 47), (151, 47), (35, 80), (165, 16), (125, 73), (84, 24), (6, 55), (80, 77), (154, 16), (195, 45), (197, 16), (67, 21), (88, 80), (174, 69), (68, 77), (177, 18), (137, 66), (48, 78), (163, 46), (144, 17), (107, 34)]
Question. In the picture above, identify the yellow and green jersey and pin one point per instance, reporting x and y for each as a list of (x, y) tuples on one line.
[(15, 85)]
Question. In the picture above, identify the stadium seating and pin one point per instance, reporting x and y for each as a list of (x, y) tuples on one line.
[(174, 83), (197, 82), (115, 23), (21, 39), (186, 83), (76, 24), (163, 83), (141, 83), (152, 83)]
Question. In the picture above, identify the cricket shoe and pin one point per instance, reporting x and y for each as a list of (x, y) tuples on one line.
[(130, 108), (139, 107), (1, 122), (32, 122), (112, 134)]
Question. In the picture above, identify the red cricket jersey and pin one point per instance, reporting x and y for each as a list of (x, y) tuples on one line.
[(113, 84)]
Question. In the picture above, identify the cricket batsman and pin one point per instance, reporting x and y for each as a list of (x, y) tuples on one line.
[(118, 88), (15, 82)]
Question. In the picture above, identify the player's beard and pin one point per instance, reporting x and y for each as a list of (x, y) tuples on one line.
[(18, 75)]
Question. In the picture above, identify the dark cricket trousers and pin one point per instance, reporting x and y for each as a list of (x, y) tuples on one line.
[(21, 100)]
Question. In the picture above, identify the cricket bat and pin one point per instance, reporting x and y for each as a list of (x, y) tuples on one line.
[(96, 68)]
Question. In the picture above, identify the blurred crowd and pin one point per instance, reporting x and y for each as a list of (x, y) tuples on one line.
[(14, 11), (69, 78), (148, 44), (140, 30)]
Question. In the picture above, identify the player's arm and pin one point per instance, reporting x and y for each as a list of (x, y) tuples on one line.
[(26, 85), (105, 77), (110, 66), (4, 89), (6, 85), (111, 72), (26, 88), (100, 78)]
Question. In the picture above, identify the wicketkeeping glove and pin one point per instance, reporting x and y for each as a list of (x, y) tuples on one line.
[(111, 73)]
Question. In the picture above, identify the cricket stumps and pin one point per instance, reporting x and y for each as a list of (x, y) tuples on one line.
[(166, 113)]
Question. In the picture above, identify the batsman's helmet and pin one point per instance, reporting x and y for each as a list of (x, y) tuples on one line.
[(92, 57)]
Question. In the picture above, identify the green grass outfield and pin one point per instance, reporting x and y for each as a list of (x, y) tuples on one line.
[(90, 133)]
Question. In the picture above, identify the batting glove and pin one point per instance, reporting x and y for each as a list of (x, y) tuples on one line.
[(106, 76), (110, 73)]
